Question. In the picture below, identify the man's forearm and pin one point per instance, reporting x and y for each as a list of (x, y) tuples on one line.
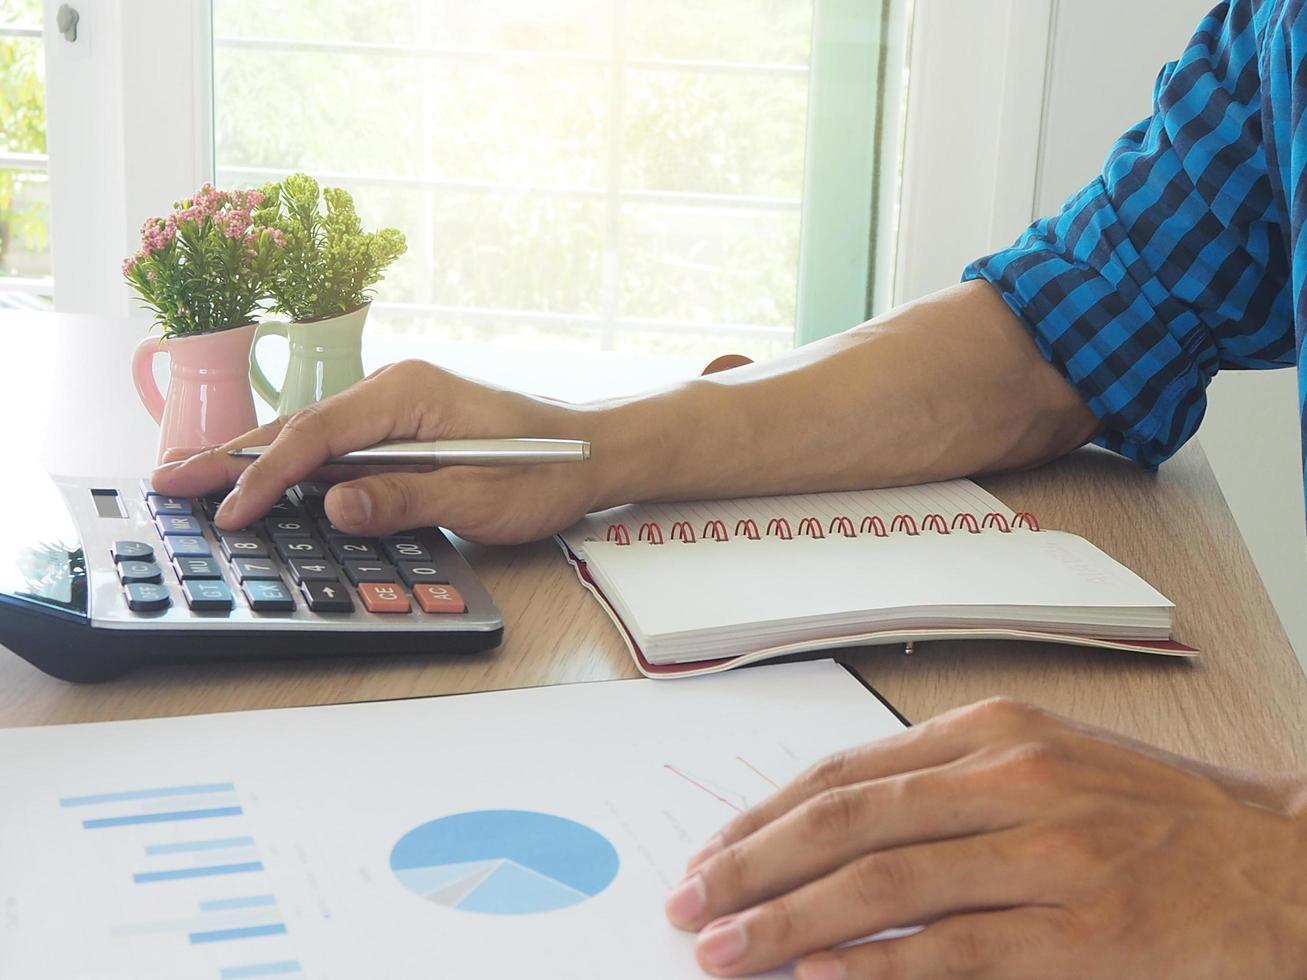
[(948, 386)]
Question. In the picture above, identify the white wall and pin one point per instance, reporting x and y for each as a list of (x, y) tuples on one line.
[(1105, 55)]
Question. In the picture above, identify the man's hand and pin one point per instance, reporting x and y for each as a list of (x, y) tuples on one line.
[(409, 400), (1029, 848)]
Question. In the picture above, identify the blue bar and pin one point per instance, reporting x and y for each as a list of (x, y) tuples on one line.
[(200, 845), (247, 902), (218, 811), (148, 794), (246, 932), (261, 970), (145, 877)]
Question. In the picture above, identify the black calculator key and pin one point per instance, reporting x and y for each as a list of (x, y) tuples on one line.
[(207, 595), (330, 530), (132, 551), (209, 505), (197, 568), (290, 548), (250, 569), (288, 527), (184, 524), (327, 596), (415, 572), (242, 546), (369, 571), (354, 549), (187, 547), (400, 549), (146, 597), (308, 570), (284, 507), (139, 571), (314, 496), (265, 596), (161, 506)]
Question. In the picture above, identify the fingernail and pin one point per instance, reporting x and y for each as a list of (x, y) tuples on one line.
[(711, 848), (353, 505), (228, 505), (821, 968), (722, 943), (686, 904)]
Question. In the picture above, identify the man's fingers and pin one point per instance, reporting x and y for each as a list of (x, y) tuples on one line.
[(937, 742), (366, 414), (832, 829), (1011, 944), (890, 889), (199, 472)]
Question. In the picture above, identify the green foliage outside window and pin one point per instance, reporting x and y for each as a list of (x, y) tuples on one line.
[(22, 130)]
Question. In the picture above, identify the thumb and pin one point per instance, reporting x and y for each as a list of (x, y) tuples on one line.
[(383, 503)]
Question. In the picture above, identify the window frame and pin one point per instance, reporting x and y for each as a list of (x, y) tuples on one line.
[(122, 146)]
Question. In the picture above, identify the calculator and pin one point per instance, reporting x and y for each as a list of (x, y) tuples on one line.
[(100, 576)]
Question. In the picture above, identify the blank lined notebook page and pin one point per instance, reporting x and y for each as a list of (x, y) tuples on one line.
[(948, 498), (781, 589)]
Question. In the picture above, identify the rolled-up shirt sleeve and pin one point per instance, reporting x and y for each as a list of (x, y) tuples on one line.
[(1172, 263)]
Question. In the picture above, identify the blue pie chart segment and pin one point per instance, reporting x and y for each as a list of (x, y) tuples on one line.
[(504, 862)]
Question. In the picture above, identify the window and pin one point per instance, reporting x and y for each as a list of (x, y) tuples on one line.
[(24, 193), (683, 177)]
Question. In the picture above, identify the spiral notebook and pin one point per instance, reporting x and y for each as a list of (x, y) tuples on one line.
[(706, 586)]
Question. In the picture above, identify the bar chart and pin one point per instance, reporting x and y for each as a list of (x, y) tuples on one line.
[(187, 851)]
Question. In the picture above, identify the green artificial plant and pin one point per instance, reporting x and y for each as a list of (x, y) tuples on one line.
[(330, 262)]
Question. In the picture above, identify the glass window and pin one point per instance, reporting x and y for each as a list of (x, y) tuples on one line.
[(593, 174), (24, 192)]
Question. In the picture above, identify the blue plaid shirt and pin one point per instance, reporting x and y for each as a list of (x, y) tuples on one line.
[(1187, 255)]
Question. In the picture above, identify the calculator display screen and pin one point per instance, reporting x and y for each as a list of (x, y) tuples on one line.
[(40, 551)]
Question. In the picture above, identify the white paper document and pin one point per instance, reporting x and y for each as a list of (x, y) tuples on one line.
[(529, 833)]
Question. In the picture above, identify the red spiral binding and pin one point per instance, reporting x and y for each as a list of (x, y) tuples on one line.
[(934, 522), (904, 522), (811, 527), (845, 526), (967, 521), (874, 525), (748, 527), (716, 530), (779, 527)]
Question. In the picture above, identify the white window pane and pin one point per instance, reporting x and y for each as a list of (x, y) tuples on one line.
[(24, 187), (584, 173)]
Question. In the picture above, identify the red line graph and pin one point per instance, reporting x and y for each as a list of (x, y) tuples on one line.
[(694, 782), (761, 775)]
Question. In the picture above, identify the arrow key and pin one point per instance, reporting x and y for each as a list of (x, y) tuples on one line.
[(327, 596)]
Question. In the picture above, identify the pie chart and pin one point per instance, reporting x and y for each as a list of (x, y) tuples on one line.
[(504, 862)]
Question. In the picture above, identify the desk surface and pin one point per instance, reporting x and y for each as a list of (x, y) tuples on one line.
[(1243, 703)]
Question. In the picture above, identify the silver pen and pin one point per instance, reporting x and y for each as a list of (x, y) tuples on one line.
[(454, 452)]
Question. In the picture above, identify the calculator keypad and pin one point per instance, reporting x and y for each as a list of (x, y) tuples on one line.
[(292, 559)]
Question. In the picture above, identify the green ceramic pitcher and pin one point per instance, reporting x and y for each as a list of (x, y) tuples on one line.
[(325, 358)]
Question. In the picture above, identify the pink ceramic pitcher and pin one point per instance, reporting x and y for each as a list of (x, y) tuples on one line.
[(208, 400)]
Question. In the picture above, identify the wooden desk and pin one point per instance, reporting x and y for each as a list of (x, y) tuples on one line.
[(1243, 703)]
